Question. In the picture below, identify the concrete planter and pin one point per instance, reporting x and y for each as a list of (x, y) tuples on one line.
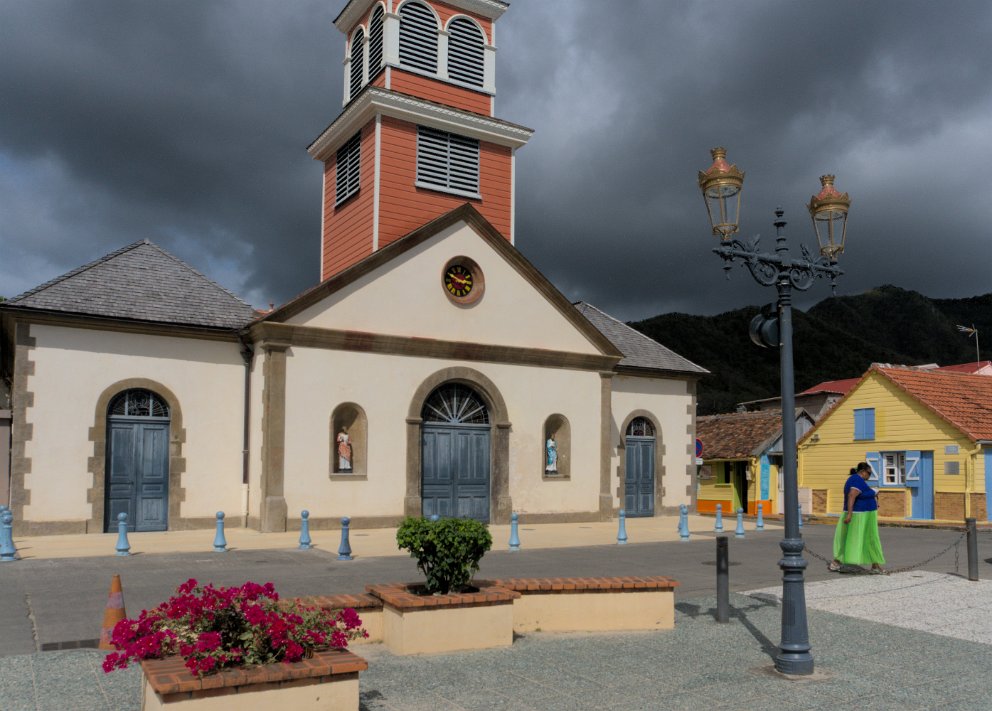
[(328, 680), (432, 624), (592, 604)]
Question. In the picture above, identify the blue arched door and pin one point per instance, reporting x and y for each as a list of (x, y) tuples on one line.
[(639, 471), (137, 461), (455, 454)]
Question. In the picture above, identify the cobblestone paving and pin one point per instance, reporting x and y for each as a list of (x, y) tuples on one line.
[(861, 664)]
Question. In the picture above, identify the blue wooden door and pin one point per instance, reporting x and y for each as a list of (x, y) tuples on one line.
[(988, 483), (919, 481), (138, 475), (137, 480), (455, 471), (639, 482)]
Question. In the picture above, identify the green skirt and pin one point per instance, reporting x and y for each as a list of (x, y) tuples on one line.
[(857, 542)]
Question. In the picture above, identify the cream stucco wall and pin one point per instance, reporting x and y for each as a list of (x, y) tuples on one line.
[(407, 299), (670, 402), (74, 366), (318, 380)]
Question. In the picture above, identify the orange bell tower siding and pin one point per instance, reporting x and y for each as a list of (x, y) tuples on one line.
[(416, 138)]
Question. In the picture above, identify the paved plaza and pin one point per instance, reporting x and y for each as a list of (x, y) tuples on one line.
[(913, 640)]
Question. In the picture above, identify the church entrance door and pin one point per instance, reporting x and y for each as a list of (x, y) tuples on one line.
[(455, 454), (639, 479), (137, 462)]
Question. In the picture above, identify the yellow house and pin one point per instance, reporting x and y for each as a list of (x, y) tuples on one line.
[(742, 455), (927, 435)]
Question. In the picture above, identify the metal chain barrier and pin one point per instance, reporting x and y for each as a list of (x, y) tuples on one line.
[(857, 570)]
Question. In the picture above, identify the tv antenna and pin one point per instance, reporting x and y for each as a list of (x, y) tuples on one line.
[(972, 331)]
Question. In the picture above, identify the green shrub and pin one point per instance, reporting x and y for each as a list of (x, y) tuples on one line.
[(448, 550)]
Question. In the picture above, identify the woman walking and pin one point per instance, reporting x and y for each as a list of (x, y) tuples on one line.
[(856, 540)]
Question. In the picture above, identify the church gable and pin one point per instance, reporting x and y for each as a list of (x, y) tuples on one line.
[(455, 280)]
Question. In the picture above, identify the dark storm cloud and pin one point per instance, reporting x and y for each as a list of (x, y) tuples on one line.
[(186, 122)]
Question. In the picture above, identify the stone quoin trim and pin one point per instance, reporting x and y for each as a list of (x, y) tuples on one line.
[(97, 463), (690, 469), (605, 439), (21, 399), (500, 502)]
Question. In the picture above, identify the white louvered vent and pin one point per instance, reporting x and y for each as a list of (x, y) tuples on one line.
[(418, 37), (447, 161), (375, 40), (348, 168), (465, 52), (357, 47)]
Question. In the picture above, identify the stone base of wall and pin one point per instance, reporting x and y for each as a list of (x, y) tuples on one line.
[(892, 504), (978, 507), (948, 506), (819, 501)]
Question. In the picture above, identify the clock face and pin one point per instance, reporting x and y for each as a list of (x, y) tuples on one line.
[(459, 280)]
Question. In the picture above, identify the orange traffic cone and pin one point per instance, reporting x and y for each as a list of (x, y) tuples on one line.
[(112, 614)]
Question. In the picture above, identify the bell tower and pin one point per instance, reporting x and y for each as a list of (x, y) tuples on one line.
[(417, 136)]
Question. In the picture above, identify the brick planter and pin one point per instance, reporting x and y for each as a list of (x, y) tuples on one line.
[(431, 624), (328, 680)]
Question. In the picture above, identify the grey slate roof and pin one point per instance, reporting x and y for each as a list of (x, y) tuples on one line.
[(638, 350), (142, 282)]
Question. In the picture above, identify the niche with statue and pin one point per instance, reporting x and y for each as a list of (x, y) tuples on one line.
[(349, 440), (557, 447)]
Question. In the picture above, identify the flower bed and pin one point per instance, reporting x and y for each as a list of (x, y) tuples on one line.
[(206, 642)]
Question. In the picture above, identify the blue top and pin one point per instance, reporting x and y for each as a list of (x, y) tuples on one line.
[(866, 500)]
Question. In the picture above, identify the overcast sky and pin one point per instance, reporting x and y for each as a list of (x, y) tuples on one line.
[(186, 122)]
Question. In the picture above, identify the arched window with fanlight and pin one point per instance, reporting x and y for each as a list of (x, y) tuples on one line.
[(466, 51), (357, 62), (376, 40), (418, 37)]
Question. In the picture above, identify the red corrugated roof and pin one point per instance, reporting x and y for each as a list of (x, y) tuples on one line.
[(833, 386), (963, 400)]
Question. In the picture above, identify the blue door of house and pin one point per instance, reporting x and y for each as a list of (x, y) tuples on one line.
[(919, 481), (638, 494), (455, 454), (988, 483), (137, 462)]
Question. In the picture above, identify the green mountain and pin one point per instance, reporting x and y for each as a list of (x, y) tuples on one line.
[(840, 337)]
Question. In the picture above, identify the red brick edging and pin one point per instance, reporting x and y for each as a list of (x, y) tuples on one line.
[(587, 585), (169, 676), (399, 597)]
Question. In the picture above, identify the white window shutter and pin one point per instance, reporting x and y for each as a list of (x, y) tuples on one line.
[(375, 40), (418, 37), (447, 161), (349, 159), (466, 52), (357, 65)]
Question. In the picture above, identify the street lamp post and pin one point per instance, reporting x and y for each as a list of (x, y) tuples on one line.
[(721, 186)]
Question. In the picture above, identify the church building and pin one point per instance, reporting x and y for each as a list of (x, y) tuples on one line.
[(433, 369)]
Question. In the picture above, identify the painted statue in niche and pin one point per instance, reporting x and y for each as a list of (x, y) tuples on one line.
[(344, 450), (551, 447)]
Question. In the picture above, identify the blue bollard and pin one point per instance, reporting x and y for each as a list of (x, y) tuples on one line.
[(760, 525), (622, 531), (220, 543), (718, 526), (305, 531), (684, 522), (800, 515), (123, 547), (514, 538), (344, 550), (739, 531), (7, 550)]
